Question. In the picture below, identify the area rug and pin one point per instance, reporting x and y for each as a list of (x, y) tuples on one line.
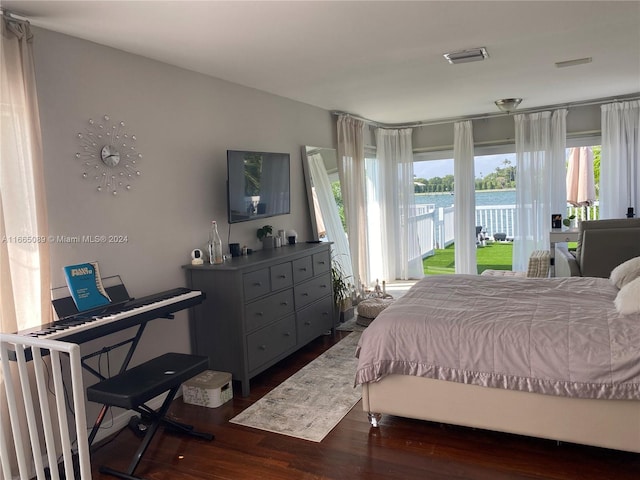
[(351, 325), (310, 403)]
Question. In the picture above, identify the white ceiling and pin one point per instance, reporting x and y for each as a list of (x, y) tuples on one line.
[(381, 60)]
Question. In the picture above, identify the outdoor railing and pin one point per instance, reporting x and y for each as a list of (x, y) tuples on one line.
[(422, 228), (496, 219), (433, 228)]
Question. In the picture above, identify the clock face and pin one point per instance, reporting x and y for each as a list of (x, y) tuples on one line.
[(109, 155)]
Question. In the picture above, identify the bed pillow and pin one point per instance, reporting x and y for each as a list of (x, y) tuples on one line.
[(625, 272), (628, 298)]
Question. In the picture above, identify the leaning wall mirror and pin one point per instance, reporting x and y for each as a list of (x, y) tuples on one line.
[(325, 202)]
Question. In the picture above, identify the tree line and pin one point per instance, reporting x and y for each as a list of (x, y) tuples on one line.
[(502, 178)]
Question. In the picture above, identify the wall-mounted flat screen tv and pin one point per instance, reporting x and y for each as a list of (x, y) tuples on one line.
[(258, 185)]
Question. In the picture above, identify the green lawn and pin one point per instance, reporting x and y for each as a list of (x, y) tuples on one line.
[(495, 256)]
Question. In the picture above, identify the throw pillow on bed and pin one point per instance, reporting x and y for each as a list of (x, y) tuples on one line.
[(628, 298), (625, 272)]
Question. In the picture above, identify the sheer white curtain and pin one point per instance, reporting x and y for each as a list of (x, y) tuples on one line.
[(24, 252), (330, 216), (352, 182), (620, 159), (465, 199), (540, 180), (24, 259), (400, 253)]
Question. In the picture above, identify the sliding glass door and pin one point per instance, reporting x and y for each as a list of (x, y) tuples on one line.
[(434, 188), (495, 205)]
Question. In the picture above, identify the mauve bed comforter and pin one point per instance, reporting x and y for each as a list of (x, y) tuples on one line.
[(556, 336)]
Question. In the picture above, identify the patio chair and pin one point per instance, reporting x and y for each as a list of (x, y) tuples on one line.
[(480, 237), (538, 267)]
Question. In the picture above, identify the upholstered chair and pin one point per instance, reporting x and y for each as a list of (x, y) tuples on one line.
[(602, 246)]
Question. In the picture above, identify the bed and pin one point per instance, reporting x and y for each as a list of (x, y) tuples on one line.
[(549, 358)]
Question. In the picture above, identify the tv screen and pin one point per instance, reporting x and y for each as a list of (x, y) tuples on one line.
[(257, 185)]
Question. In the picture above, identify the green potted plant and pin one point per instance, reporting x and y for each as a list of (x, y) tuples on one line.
[(569, 221), (264, 235), (341, 292)]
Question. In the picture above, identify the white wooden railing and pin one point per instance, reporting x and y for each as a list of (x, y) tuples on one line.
[(496, 219), (433, 227)]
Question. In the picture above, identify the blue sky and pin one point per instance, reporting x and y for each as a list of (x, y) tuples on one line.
[(439, 168)]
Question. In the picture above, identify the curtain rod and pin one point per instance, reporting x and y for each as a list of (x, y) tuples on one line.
[(426, 123), (15, 17)]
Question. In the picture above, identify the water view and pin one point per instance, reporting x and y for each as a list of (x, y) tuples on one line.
[(483, 198)]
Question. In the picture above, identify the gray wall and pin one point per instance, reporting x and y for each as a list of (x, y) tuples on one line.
[(184, 123)]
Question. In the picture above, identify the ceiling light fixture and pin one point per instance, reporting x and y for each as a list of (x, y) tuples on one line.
[(470, 55), (508, 104)]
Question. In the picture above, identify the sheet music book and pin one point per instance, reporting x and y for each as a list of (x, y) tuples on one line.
[(85, 285)]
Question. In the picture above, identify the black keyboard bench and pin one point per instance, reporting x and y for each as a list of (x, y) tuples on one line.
[(136, 386)]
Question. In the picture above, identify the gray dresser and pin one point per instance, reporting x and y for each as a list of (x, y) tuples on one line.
[(261, 307)]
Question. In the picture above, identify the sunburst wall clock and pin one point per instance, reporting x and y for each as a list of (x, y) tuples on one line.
[(109, 155)]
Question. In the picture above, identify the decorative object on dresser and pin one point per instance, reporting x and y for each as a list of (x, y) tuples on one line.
[(261, 308), (264, 235)]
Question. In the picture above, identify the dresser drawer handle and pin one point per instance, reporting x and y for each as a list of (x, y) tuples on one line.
[(287, 334), (326, 314), (322, 262), (305, 294), (307, 323), (284, 304), (259, 314), (303, 269), (262, 347), (257, 284), (282, 276), (323, 285)]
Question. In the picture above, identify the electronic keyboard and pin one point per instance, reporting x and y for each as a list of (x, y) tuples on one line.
[(81, 327)]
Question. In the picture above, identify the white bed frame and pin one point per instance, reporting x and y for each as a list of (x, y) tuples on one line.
[(603, 423)]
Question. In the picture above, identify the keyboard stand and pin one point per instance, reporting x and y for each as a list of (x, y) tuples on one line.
[(133, 341), (133, 388)]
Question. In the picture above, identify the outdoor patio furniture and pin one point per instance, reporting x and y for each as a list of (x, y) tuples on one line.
[(538, 267), (480, 235), (500, 237)]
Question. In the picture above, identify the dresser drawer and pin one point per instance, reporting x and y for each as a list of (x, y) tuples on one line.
[(270, 342), (267, 310), (321, 262), (312, 290), (314, 320), (256, 283), (302, 269), (281, 276)]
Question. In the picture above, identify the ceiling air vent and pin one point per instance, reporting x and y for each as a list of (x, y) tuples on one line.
[(571, 63), (470, 55)]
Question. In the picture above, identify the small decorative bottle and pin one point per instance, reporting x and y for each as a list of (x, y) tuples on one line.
[(215, 245)]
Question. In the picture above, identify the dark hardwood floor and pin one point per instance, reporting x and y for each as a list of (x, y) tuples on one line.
[(400, 449)]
